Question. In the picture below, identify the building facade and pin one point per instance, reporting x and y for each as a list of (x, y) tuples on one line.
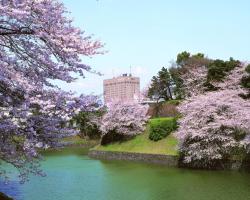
[(121, 88)]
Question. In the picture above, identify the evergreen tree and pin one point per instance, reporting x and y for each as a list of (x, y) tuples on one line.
[(160, 87)]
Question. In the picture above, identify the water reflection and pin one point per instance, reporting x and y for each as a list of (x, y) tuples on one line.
[(11, 188), (71, 175)]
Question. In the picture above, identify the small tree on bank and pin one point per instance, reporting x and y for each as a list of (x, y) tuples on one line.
[(88, 120), (160, 87), (123, 120)]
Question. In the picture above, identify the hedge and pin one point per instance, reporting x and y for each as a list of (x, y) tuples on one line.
[(160, 128)]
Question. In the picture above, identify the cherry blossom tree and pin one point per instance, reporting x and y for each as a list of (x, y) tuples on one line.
[(123, 119), (38, 44), (88, 120), (215, 125)]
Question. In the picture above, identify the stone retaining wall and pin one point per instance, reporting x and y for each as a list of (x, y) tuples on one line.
[(167, 160)]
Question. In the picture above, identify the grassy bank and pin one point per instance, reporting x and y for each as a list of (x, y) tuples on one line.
[(142, 144), (78, 141)]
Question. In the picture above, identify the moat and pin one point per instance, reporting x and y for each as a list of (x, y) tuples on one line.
[(72, 175)]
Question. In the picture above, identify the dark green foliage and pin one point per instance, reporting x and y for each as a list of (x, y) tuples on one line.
[(245, 96), (84, 120), (182, 57), (177, 82), (175, 102), (160, 87), (198, 55), (165, 83), (161, 127), (248, 69), (245, 81), (209, 87), (217, 70), (168, 84), (239, 134), (154, 88)]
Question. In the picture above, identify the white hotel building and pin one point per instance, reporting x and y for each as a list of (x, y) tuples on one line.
[(121, 88)]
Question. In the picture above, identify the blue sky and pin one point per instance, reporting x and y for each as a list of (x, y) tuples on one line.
[(148, 34)]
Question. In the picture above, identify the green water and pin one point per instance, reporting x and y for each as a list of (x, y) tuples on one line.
[(72, 175)]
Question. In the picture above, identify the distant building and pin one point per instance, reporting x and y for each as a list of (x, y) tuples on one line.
[(121, 88)]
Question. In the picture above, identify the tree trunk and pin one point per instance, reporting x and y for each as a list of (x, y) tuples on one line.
[(170, 93), (157, 108)]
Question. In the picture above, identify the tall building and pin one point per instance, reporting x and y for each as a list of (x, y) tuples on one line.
[(121, 88)]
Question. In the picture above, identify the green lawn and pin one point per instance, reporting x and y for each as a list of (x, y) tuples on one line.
[(141, 144)]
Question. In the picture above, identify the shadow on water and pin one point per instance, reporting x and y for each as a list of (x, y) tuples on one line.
[(65, 151), (11, 188)]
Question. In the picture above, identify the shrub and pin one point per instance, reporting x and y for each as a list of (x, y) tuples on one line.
[(209, 87), (89, 121), (182, 57), (161, 128), (89, 124), (217, 70), (175, 102), (248, 68), (245, 81)]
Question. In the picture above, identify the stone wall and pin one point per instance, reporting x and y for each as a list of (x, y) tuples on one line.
[(167, 160)]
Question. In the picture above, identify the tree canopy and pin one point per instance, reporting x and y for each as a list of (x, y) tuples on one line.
[(215, 124), (182, 57), (160, 87), (38, 44)]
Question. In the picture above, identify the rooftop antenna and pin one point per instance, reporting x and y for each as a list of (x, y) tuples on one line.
[(113, 73), (130, 71)]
